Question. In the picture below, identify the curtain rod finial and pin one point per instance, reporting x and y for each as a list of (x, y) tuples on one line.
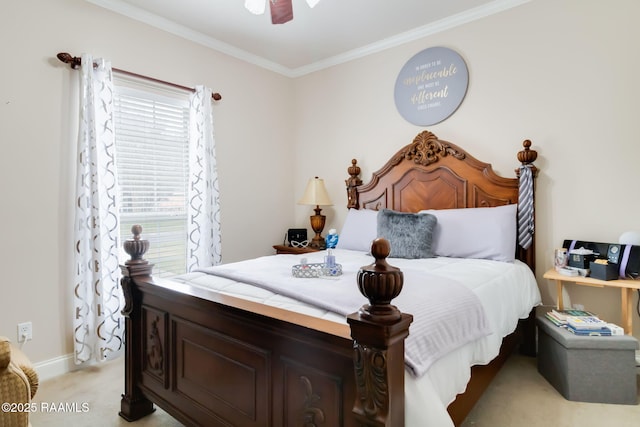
[(74, 61)]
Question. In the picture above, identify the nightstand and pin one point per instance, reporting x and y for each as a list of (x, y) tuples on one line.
[(626, 287), (290, 250)]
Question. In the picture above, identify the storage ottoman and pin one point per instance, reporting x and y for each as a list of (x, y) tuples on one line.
[(588, 369)]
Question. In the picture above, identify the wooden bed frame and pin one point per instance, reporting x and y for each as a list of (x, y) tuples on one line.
[(215, 360)]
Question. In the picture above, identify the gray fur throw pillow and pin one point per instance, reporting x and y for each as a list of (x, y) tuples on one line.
[(409, 234)]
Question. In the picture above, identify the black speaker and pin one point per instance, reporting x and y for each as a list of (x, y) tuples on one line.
[(600, 250), (614, 253), (631, 257)]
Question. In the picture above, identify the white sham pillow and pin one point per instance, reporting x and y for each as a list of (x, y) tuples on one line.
[(359, 230), (483, 233)]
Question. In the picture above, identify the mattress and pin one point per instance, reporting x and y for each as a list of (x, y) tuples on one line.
[(506, 291)]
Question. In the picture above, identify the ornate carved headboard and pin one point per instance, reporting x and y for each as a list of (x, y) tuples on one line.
[(430, 173)]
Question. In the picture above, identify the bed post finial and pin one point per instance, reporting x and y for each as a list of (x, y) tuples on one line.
[(136, 247), (378, 331), (137, 266), (380, 283), (527, 157), (352, 183)]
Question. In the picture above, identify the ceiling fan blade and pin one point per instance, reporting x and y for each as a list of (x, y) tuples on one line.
[(312, 3), (281, 11), (257, 7)]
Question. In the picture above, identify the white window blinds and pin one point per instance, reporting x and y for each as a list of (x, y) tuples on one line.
[(152, 155)]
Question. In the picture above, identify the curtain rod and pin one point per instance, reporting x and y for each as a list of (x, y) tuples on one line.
[(75, 62)]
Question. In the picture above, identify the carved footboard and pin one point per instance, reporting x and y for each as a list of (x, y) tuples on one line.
[(211, 361)]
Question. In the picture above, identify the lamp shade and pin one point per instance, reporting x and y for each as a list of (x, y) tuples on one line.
[(315, 193)]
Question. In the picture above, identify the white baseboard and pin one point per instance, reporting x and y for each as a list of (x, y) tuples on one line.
[(63, 365), (54, 367)]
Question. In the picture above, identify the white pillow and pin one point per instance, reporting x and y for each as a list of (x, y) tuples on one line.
[(485, 233), (359, 230)]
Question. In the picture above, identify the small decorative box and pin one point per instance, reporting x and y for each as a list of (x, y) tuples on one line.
[(604, 271), (315, 270)]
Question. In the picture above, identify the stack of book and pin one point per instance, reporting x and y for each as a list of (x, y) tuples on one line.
[(588, 325), (559, 317), (580, 322)]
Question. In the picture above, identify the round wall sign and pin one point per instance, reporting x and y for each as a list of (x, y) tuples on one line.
[(431, 86)]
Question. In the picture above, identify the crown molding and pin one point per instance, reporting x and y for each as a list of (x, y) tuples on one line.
[(412, 35), (169, 26)]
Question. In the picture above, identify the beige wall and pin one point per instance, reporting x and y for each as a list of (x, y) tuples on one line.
[(561, 73), (253, 135)]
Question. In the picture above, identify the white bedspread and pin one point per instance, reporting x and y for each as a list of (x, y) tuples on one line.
[(446, 315), (507, 292)]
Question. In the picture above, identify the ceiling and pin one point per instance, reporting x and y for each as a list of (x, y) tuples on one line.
[(334, 32)]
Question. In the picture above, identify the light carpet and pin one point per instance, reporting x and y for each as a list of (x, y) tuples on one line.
[(518, 396)]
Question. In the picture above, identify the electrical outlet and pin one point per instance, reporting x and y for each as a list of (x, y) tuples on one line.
[(25, 331), (578, 306)]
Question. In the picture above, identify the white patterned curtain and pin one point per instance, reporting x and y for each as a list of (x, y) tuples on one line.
[(98, 325), (203, 227)]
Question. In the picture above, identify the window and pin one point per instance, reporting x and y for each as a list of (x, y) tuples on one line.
[(152, 153)]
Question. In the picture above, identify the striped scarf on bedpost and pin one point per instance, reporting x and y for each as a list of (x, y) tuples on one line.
[(525, 207)]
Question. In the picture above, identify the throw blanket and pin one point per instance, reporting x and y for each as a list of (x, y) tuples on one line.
[(447, 315)]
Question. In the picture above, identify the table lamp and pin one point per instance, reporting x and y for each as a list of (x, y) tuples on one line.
[(316, 194)]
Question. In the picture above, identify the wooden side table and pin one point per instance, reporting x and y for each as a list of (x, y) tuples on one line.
[(290, 250), (626, 290)]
